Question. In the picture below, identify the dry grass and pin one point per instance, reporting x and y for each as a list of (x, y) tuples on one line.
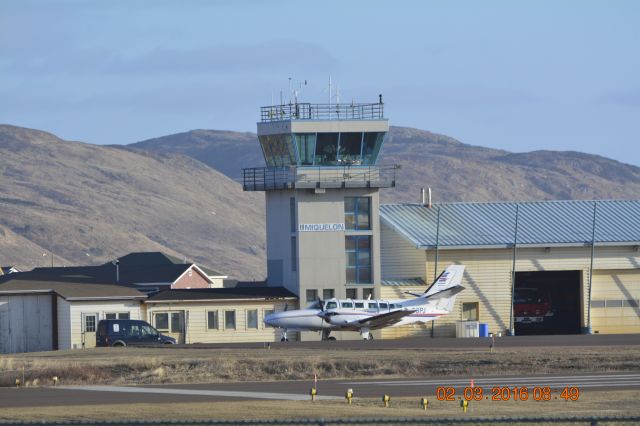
[(590, 403), (146, 366)]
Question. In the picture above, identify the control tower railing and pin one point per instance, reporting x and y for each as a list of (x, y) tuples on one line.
[(270, 178), (307, 111)]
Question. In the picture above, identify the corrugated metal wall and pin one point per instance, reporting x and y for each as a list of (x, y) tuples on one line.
[(488, 280)]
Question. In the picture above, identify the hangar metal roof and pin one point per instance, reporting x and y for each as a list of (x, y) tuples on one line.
[(492, 224)]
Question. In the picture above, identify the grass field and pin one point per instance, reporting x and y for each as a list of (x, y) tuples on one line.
[(590, 403), (153, 365)]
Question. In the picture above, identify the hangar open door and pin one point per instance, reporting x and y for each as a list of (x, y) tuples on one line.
[(547, 302)]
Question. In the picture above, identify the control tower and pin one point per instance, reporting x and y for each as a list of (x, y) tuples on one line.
[(322, 195)]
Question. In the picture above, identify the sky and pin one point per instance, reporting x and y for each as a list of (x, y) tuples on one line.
[(518, 76)]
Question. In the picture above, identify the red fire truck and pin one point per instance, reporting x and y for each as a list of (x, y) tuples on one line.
[(531, 306)]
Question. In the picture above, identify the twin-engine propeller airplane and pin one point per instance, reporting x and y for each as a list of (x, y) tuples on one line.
[(366, 315)]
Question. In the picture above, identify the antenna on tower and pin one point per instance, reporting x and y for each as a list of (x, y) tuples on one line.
[(297, 91)]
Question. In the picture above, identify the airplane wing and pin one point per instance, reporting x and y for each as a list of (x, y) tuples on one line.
[(383, 320)]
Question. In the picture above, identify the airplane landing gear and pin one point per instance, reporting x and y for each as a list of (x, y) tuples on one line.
[(326, 335), (284, 336), (365, 334)]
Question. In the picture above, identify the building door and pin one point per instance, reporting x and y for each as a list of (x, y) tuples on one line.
[(615, 301), (547, 302), (89, 324)]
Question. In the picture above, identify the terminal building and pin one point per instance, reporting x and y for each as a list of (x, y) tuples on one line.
[(548, 267)]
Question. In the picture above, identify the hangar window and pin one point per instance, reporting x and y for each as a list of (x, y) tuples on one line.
[(352, 293), (312, 295), (630, 303), (470, 311), (212, 320), (252, 318), (328, 293), (230, 320), (597, 303), (614, 303)]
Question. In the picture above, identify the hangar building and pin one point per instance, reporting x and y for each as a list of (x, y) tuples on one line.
[(581, 258)]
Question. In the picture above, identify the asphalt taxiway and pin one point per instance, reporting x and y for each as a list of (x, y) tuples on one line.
[(299, 390)]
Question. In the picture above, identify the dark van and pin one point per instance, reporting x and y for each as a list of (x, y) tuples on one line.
[(124, 332)]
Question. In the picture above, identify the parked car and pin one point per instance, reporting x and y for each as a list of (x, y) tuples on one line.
[(124, 332)]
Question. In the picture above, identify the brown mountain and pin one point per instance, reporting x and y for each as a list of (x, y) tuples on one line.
[(88, 204), (454, 170)]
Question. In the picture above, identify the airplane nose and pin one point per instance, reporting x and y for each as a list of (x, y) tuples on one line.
[(270, 320)]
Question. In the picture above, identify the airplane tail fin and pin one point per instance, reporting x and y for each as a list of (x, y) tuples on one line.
[(445, 288), (449, 278)]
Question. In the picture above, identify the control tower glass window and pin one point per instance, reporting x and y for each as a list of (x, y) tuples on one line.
[(306, 147), (350, 149), (371, 144), (326, 149), (278, 150), (358, 251), (357, 213)]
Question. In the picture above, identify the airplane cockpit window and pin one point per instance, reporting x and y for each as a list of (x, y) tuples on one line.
[(393, 306), (383, 305), (331, 305), (372, 305), (359, 305), (346, 304)]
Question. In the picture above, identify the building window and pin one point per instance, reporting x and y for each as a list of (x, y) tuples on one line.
[(306, 147), (470, 311), (358, 251), (212, 320), (326, 149), (267, 312), (312, 295), (90, 323), (352, 293), (292, 214), (252, 318), (350, 149), (367, 293), (230, 320), (357, 213), (162, 321), (117, 315), (328, 293), (176, 322), (294, 257)]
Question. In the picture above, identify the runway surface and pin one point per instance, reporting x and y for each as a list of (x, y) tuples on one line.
[(299, 390), (512, 342)]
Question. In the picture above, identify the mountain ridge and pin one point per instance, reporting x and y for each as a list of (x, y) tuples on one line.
[(87, 204)]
